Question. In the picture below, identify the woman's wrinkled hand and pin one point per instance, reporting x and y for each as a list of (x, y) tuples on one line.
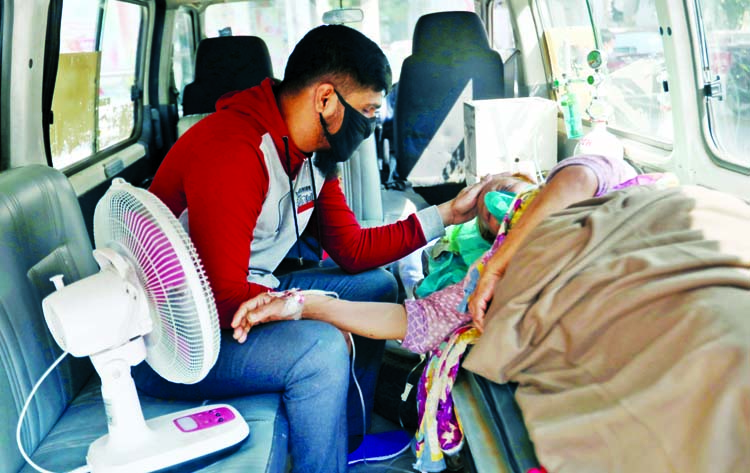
[(262, 308), (480, 300)]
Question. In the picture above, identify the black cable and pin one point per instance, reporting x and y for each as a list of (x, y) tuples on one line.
[(405, 395), (291, 194)]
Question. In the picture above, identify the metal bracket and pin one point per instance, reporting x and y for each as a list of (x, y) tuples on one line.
[(714, 89)]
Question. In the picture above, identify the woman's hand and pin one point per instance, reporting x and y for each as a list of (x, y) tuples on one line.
[(262, 308), (568, 186), (480, 300)]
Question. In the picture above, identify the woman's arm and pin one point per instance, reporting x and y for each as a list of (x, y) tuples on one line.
[(377, 320), (570, 185)]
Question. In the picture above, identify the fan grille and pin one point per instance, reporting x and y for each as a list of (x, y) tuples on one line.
[(184, 343)]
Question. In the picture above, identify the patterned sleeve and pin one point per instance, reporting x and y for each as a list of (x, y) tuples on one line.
[(609, 172), (430, 320)]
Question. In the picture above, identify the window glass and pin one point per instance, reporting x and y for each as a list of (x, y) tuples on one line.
[(502, 30), (727, 37), (119, 49), (92, 106), (266, 19), (397, 19), (390, 23), (183, 51), (631, 81), (569, 36)]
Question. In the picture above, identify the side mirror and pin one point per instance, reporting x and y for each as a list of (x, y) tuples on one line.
[(343, 15)]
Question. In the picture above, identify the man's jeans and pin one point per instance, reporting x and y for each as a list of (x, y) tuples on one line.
[(307, 361), (376, 285)]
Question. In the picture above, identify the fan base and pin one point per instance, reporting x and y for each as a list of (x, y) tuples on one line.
[(170, 440)]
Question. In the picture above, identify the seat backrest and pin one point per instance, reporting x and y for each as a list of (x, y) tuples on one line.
[(222, 65), (360, 181), (42, 233), (451, 62)]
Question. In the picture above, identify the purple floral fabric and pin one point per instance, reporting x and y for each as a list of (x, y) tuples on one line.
[(433, 318), (439, 430)]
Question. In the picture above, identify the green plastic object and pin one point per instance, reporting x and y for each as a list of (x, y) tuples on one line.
[(571, 115), (449, 259), (498, 203), (595, 59)]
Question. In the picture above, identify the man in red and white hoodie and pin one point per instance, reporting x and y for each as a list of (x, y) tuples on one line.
[(252, 177)]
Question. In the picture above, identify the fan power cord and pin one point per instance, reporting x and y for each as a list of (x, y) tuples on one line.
[(82, 469)]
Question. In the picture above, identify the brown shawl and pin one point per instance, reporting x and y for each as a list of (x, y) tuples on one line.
[(626, 322)]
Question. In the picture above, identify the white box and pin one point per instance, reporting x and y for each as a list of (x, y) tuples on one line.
[(518, 134)]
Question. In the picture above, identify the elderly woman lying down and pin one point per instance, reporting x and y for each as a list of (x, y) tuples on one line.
[(625, 321)]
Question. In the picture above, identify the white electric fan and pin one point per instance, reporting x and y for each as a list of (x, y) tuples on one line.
[(150, 300)]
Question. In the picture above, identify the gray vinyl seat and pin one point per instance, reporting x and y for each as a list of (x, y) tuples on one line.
[(365, 195), (42, 233)]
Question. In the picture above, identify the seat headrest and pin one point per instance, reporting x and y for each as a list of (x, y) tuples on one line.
[(245, 57), (450, 31), (222, 65)]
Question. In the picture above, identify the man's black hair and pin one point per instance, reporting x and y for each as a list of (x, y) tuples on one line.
[(337, 50)]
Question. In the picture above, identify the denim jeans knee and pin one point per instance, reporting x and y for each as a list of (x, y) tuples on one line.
[(315, 400)]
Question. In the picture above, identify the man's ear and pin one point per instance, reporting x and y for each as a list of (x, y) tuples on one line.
[(325, 98)]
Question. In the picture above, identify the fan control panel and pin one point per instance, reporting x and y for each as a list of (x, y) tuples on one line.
[(204, 419)]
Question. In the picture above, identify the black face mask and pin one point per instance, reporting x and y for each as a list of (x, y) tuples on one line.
[(355, 128)]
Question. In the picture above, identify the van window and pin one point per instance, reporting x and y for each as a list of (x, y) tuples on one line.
[(183, 45), (502, 30), (390, 23), (634, 75), (92, 105), (727, 38)]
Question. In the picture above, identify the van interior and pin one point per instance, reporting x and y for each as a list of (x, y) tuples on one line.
[(98, 90)]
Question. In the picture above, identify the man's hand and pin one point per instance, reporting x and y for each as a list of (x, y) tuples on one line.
[(262, 308), (463, 207)]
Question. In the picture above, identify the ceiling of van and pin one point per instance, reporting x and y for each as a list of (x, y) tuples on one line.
[(196, 3)]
